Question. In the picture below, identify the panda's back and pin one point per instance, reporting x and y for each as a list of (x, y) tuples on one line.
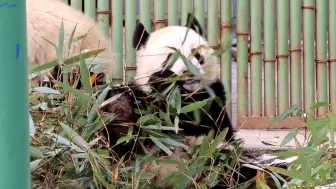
[(44, 19)]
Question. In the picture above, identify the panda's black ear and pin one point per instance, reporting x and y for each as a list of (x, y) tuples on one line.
[(193, 23), (140, 36)]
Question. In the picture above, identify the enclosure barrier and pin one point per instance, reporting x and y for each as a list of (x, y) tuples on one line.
[(292, 54), (14, 125)]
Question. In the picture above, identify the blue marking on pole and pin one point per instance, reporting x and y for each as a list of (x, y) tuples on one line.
[(3, 4), (17, 51), (6, 4)]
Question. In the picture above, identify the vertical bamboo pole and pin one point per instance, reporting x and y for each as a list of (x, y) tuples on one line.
[(269, 58), (77, 4), (200, 12), (332, 54), (103, 18), (145, 14), (213, 23), (159, 14), (242, 46), (173, 12), (308, 53), (65, 1), (90, 8), (321, 55), (256, 53), (130, 24), (14, 140), (226, 39), (186, 8), (295, 49), (117, 39), (282, 56)]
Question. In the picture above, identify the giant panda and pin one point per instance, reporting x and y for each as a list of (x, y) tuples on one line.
[(44, 18), (152, 55)]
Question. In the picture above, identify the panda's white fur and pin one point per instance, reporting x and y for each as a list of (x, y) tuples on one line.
[(156, 51), (44, 18)]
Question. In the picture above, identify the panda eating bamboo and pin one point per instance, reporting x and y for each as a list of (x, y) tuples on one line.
[(156, 63)]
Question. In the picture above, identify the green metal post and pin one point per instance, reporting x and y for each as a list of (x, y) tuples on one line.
[(145, 14), (90, 8), (77, 4), (226, 42), (14, 140), (256, 54), (321, 54), (295, 53), (159, 14), (117, 38), (186, 7), (269, 58), (173, 12), (308, 53), (242, 44), (213, 27), (200, 12), (103, 19), (129, 29), (332, 53), (283, 91)]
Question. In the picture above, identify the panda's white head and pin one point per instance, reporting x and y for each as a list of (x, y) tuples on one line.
[(153, 53)]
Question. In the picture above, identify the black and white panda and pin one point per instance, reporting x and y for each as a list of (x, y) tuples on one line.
[(44, 18), (152, 55)]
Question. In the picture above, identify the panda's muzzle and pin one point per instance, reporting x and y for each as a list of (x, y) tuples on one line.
[(158, 78)]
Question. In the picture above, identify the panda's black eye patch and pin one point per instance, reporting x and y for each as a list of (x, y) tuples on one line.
[(198, 56)]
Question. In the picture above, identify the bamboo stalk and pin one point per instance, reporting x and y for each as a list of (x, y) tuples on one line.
[(226, 38), (256, 54), (308, 53), (269, 58), (242, 46)]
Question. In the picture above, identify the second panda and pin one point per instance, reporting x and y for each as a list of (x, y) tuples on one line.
[(44, 18)]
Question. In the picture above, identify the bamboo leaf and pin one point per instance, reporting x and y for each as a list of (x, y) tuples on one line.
[(100, 99), (35, 152), (60, 43), (173, 143), (85, 75), (78, 140), (124, 138), (217, 141), (46, 90), (161, 145), (282, 116), (71, 38), (82, 97), (34, 164), (68, 61), (195, 105), (289, 137)]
